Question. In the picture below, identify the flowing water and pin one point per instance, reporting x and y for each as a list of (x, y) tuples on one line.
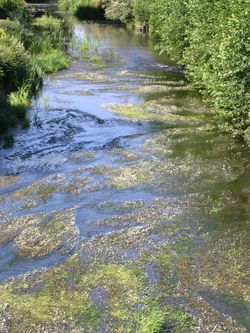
[(121, 203)]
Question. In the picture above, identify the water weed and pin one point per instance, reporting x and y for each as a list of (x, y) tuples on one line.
[(52, 61)]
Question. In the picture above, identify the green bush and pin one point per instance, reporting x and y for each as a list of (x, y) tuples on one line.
[(218, 59), (71, 6), (141, 10), (211, 40), (83, 9), (170, 21), (28, 49), (13, 28), (119, 10), (11, 8), (16, 68)]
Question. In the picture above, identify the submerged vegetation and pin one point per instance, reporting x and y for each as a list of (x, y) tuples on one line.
[(129, 221), (29, 48)]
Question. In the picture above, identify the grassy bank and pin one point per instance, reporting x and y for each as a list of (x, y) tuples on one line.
[(29, 48)]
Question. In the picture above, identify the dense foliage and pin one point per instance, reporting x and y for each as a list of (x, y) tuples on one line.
[(29, 48), (11, 8), (83, 9), (15, 64), (211, 38), (119, 10)]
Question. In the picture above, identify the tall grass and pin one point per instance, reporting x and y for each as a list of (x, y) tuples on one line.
[(86, 46), (20, 98), (49, 33), (52, 61), (153, 323), (48, 44)]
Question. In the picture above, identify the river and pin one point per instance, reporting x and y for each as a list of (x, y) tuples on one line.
[(121, 202)]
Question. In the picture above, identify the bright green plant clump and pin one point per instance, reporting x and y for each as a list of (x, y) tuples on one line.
[(52, 61), (152, 323)]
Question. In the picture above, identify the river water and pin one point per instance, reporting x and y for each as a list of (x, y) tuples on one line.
[(121, 201)]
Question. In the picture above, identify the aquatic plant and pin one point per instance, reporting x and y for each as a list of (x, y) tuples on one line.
[(95, 58), (153, 323), (51, 61), (20, 97), (49, 33)]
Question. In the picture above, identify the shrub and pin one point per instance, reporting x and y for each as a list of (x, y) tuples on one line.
[(218, 59), (71, 6), (11, 8), (211, 39), (83, 9), (141, 10), (16, 68), (21, 73), (13, 28), (90, 13), (119, 10)]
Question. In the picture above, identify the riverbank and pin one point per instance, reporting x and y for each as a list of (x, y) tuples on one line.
[(30, 48)]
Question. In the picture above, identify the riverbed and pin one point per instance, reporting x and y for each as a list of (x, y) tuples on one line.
[(121, 203)]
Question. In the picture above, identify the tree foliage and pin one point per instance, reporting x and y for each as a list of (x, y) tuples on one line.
[(119, 11), (211, 39), (10, 8)]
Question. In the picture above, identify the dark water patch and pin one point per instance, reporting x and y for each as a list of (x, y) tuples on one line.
[(22, 267), (90, 13), (99, 296), (236, 308)]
